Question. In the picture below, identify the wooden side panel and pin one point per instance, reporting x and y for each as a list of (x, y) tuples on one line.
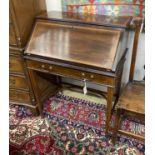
[(19, 85), (24, 13), (21, 19), (12, 34)]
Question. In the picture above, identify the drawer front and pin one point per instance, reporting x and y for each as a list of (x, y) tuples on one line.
[(16, 65), (18, 82), (19, 96), (67, 72)]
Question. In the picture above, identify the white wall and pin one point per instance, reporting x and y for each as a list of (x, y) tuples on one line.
[(53, 5), (139, 68)]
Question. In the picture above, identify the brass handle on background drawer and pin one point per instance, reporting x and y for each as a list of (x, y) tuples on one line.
[(91, 76), (42, 66), (83, 74), (50, 67)]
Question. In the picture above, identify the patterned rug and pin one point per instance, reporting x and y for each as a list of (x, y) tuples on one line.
[(70, 126)]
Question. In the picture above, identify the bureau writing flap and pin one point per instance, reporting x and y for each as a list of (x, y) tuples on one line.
[(85, 45)]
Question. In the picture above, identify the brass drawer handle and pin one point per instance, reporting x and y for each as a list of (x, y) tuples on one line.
[(33, 100), (42, 66), (91, 76), (50, 67), (83, 74)]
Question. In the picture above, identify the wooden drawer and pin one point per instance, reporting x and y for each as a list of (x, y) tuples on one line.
[(16, 65), (19, 96), (68, 72), (18, 82)]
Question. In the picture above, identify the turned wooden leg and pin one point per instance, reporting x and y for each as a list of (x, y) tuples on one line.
[(59, 83), (109, 106), (35, 88), (116, 125)]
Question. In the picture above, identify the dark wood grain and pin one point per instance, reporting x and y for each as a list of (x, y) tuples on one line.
[(81, 45)]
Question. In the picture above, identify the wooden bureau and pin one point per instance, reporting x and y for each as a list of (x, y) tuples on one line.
[(21, 20), (84, 47)]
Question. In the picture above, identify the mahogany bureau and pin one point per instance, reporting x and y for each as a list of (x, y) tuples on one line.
[(21, 20), (84, 47)]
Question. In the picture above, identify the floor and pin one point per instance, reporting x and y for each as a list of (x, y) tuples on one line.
[(35, 125)]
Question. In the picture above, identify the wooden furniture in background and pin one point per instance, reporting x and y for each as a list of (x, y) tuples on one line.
[(21, 20), (132, 99), (90, 48), (131, 103)]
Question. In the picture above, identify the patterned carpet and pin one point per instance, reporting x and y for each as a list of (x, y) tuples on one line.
[(70, 126)]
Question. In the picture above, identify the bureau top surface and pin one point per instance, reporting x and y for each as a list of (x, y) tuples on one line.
[(82, 45), (112, 21)]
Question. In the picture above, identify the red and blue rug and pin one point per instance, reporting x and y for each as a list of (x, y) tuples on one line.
[(70, 126)]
